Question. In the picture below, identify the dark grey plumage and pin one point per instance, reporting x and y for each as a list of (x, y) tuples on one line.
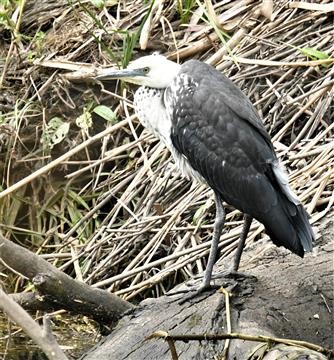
[(216, 128)]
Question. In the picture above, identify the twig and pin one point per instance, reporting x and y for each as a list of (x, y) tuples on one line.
[(42, 337), (278, 63), (257, 338), (228, 322), (313, 7), (172, 349), (15, 36)]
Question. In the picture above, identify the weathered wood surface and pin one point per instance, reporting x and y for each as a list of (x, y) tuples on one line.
[(290, 297)]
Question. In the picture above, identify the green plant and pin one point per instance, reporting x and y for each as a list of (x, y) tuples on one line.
[(184, 8)]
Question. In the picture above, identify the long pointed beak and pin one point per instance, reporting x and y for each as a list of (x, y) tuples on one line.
[(109, 74)]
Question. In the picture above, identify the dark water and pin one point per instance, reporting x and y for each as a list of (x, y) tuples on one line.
[(74, 336)]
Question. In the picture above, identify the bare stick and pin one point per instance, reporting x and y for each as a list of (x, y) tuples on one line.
[(228, 321), (259, 338), (43, 338)]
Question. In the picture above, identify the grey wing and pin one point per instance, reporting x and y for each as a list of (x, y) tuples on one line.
[(214, 82), (230, 153)]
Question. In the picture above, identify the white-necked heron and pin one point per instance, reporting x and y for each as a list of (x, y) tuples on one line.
[(215, 135)]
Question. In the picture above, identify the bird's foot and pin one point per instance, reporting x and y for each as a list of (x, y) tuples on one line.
[(194, 291), (233, 274)]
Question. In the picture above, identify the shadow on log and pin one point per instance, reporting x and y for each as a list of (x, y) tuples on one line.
[(287, 297)]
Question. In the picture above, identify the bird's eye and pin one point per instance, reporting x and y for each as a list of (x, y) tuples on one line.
[(146, 70)]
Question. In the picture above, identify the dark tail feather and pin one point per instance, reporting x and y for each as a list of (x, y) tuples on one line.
[(303, 228), (288, 226)]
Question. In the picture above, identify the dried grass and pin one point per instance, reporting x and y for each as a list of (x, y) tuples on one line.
[(118, 215)]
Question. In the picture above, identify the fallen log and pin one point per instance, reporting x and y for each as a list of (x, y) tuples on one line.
[(287, 297)]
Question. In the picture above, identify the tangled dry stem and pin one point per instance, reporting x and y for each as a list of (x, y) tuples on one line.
[(146, 228)]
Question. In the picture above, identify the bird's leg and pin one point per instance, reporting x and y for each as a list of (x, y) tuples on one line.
[(245, 229), (218, 227), (217, 230)]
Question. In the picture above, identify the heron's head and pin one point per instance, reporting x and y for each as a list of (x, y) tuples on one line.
[(154, 71)]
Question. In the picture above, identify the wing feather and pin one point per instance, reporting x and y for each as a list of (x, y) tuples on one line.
[(215, 127), (223, 140)]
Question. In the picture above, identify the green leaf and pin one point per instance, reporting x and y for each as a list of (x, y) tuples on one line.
[(77, 198), (54, 132), (199, 214), (110, 3), (84, 121), (60, 133), (101, 3), (313, 53), (98, 3), (106, 113)]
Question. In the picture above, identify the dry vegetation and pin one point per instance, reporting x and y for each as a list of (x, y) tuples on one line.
[(117, 214)]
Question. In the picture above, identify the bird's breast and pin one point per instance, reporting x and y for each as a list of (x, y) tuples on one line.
[(151, 111), (150, 107)]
